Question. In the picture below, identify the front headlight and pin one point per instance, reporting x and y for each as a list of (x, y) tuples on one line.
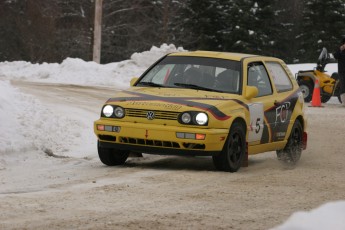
[(186, 118), (119, 112), (201, 118), (193, 118), (108, 110)]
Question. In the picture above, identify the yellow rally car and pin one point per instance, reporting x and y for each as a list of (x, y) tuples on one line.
[(202, 103)]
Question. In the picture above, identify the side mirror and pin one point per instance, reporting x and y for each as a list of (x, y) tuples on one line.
[(133, 81), (251, 92)]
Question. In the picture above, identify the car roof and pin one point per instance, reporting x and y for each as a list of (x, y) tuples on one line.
[(213, 54)]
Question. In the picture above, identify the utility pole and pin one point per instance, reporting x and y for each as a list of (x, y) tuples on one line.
[(97, 33)]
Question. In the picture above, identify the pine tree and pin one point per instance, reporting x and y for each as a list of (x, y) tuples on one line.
[(288, 15), (200, 24), (251, 27), (265, 27), (236, 35), (322, 27)]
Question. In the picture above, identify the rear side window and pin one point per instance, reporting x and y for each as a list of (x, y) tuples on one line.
[(280, 78)]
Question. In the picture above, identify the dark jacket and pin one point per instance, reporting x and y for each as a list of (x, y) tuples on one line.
[(340, 56)]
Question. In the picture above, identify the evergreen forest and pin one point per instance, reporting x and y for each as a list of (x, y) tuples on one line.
[(50, 31)]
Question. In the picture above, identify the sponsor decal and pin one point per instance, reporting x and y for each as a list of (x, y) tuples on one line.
[(282, 112), (155, 104), (256, 111), (278, 116), (280, 134)]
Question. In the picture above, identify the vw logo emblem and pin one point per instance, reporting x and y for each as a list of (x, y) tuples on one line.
[(150, 115)]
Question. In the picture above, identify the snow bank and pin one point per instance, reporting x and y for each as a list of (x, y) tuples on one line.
[(79, 72), (13, 104), (328, 216), (27, 125)]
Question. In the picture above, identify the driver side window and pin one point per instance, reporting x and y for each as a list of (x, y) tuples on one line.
[(258, 77)]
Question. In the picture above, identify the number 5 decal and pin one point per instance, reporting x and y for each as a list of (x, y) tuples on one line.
[(256, 111), (257, 130)]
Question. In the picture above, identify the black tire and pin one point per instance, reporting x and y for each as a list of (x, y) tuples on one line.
[(291, 154), (112, 157), (335, 76), (325, 98), (234, 150), (307, 88)]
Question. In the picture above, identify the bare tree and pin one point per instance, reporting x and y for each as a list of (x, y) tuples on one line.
[(38, 30)]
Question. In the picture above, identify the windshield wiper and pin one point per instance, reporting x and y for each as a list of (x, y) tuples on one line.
[(150, 84), (192, 86)]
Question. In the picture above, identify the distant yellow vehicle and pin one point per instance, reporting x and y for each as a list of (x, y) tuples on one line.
[(202, 103), (329, 85)]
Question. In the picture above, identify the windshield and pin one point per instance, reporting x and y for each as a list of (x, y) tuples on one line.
[(200, 73)]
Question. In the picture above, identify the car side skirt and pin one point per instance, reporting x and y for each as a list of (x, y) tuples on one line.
[(255, 149)]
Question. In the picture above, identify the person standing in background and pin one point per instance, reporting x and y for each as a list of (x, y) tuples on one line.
[(340, 56)]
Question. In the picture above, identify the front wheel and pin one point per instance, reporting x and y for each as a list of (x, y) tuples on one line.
[(307, 89), (293, 149), (112, 157), (234, 150)]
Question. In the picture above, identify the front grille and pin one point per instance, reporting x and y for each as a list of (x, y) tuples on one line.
[(166, 115), (193, 146), (107, 138), (158, 143)]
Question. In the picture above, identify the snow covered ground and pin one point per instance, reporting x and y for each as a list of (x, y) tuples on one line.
[(26, 125)]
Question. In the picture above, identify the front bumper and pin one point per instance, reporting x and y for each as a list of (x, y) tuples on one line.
[(160, 139)]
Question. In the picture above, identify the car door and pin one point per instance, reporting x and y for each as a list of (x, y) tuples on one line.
[(285, 100), (260, 106)]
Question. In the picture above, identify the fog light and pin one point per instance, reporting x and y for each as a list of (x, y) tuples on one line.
[(190, 135), (180, 135), (108, 128)]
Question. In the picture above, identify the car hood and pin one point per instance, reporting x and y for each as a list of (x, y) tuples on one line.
[(176, 99)]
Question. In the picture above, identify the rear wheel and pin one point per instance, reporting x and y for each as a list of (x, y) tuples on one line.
[(112, 157), (293, 149), (335, 76), (325, 98), (234, 150), (307, 89)]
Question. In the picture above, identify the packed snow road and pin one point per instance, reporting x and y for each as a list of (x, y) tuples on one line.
[(41, 189)]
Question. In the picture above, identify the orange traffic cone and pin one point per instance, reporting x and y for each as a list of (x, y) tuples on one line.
[(316, 99)]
